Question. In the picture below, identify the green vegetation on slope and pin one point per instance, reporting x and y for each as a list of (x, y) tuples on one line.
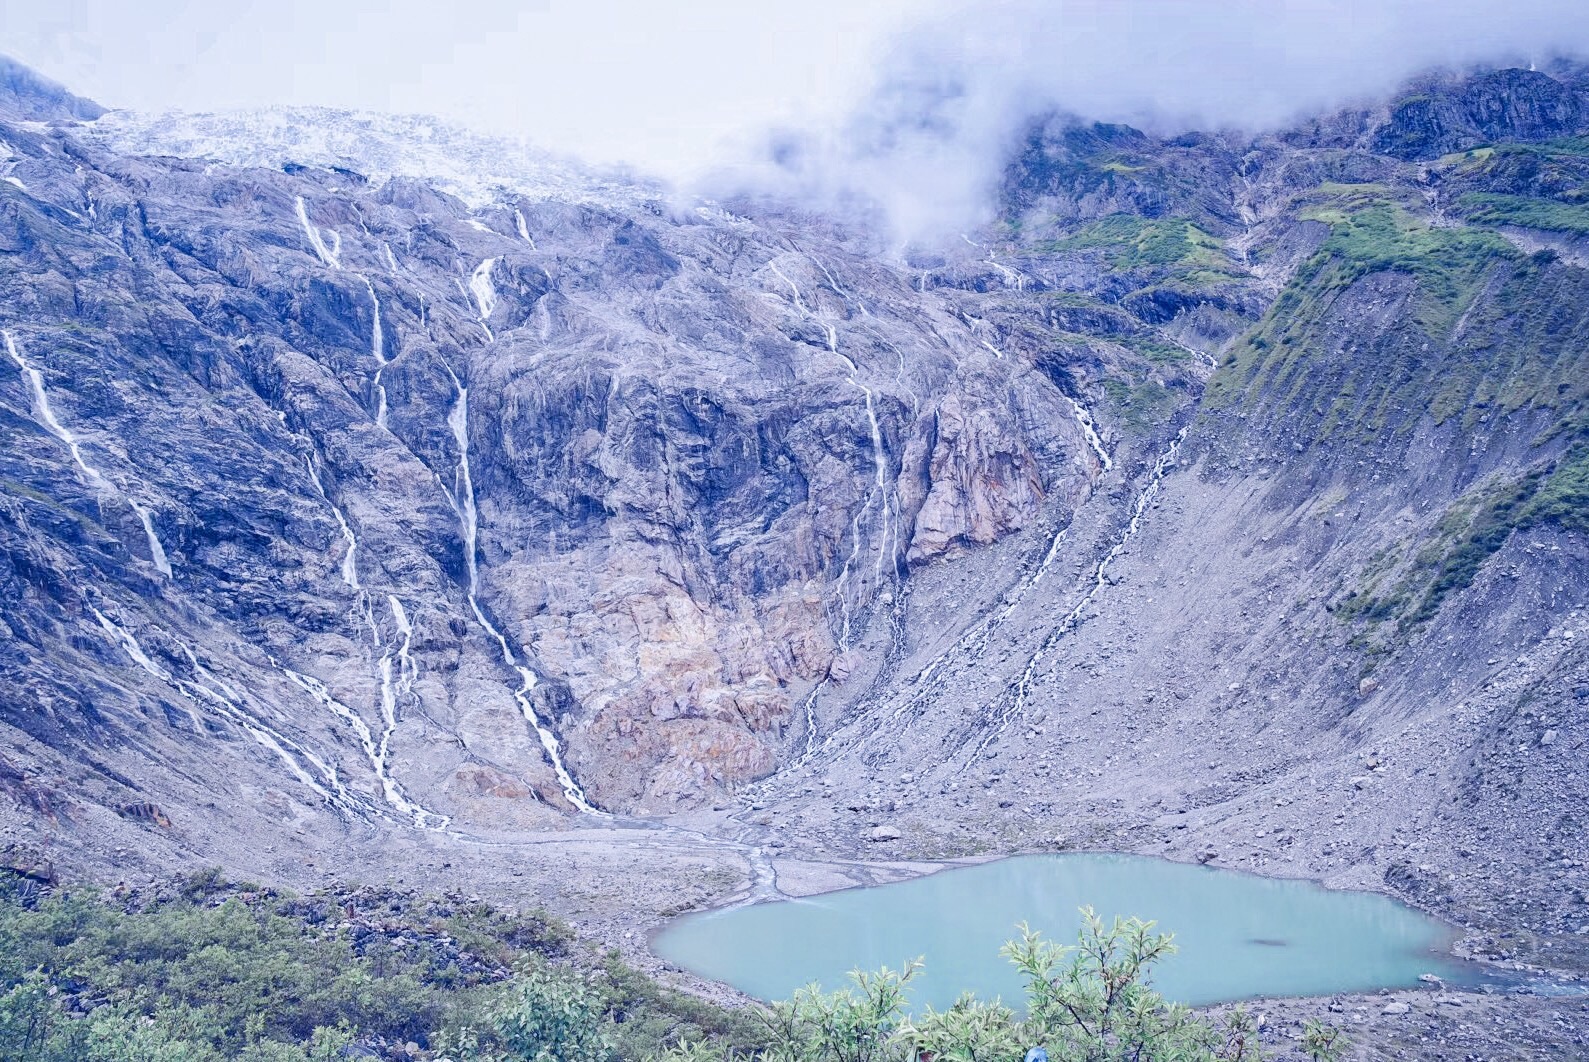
[(1293, 361), (1524, 346), (1526, 212), (1140, 407), (1335, 202), (213, 971), (1135, 242), (1469, 533), (1485, 334), (1448, 263), (1485, 157), (1525, 351)]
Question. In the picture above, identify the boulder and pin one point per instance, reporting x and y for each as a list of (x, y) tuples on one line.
[(144, 811)]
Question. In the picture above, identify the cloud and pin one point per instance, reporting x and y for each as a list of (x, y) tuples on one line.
[(654, 85), (910, 104), (927, 142)]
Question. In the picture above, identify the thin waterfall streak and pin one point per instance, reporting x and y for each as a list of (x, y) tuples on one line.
[(52, 424), (350, 569), (799, 302), (1024, 685), (1089, 430), (524, 230), (221, 697), (974, 642), (41, 403), (809, 711), (157, 552), (377, 339), (485, 293), (408, 671), (463, 502), (377, 754), (328, 256), (378, 347), (878, 494)]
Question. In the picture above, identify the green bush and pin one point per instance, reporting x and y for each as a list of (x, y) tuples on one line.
[(1091, 1002), (213, 970), (543, 1016)]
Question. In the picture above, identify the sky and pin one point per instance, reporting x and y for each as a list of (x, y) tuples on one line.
[(912, 103), (654, 83)]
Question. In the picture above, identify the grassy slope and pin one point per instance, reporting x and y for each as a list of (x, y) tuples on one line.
[(1487, 333)]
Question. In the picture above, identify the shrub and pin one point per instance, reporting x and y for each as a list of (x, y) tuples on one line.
[(1090, 1002), (211, 970), (543, 1017)]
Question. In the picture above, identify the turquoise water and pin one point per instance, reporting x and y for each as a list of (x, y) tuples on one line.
[(1239, 935)]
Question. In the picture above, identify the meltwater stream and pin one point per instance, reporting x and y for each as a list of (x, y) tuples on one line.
[(1239, 936)]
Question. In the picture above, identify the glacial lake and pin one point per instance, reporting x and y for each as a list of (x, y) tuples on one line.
[(1239, 935)]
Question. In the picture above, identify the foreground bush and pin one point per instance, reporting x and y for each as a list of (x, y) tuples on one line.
[(205, 970), (1091, 1002)]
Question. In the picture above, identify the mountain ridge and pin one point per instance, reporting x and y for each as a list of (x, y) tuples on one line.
[(26, 95)]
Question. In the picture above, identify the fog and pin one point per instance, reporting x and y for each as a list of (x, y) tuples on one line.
[(909, 104), (952, 95)]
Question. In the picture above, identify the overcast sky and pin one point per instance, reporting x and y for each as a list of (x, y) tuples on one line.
[(914, 100), (655, 82)]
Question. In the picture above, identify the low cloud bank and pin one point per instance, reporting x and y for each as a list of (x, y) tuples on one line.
[(926, 146)]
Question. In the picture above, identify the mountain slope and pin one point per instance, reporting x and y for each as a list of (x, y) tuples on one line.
[(1225, 501), (25, 96), (368, 454)]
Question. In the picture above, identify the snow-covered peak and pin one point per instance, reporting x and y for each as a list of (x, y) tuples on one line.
[(475, 167)]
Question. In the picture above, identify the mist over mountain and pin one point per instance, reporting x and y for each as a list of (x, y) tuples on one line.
[(27, 96), (954, 95)]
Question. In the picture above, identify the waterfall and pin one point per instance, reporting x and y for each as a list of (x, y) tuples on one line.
[(46, 414), (1090, 431), (1023, 687), (485, 294), (157, 552), (391, 792), (350, 568), (463, 503), (328, 255), (209, 689), (879, 492), (378, 352)]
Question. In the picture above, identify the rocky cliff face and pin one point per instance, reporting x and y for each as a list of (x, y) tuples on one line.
[(1225, 501), (539, 499)]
